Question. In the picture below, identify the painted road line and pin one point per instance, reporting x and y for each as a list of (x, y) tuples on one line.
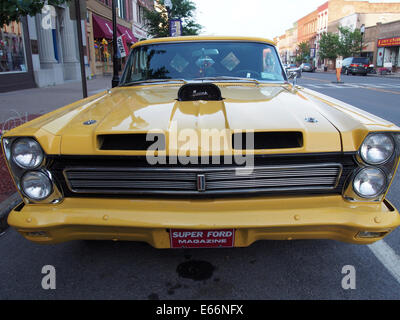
[(349, 86), (383, 90), (386, 255), (313, 85), (370, 85)]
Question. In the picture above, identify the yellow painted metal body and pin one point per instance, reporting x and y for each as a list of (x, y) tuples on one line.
[(148, 220), (258, 107)]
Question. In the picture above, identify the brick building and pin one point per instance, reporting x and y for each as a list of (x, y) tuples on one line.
[(382, 44), (322, 27), (99, 32)]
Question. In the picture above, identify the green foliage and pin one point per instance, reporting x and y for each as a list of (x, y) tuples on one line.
[(303, 52), (346, 44), (157, 21), (350, 42), (13, 10), (329, 45)]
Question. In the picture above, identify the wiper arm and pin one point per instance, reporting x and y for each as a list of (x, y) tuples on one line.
[(229, 78), (153, 81)]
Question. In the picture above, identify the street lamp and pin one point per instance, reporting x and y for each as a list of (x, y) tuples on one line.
[(115, 79), (362, 31)]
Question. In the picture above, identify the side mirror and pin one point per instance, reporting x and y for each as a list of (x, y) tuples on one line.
[(293, 73)]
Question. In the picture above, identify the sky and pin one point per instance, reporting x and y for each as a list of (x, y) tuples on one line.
[(258, 18)]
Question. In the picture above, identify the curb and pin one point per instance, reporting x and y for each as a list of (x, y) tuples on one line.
[(5, 208)]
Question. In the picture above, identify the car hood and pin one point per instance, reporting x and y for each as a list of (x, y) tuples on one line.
[(143, 109)]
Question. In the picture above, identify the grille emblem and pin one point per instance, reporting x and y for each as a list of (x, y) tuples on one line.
[(201, 182)]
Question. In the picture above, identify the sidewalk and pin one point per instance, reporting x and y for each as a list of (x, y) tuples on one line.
[(395, 75), (43, 100), (17, 107)]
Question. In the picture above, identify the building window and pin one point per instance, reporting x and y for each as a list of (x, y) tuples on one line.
[(12, 48), (121, 9), (140, 12)]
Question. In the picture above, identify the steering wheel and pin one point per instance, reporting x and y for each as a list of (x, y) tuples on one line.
[(246, 71)]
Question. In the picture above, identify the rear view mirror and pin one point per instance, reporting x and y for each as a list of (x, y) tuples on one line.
[(205, 52)]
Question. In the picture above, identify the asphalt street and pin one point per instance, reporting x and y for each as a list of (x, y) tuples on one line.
[(306, 269)]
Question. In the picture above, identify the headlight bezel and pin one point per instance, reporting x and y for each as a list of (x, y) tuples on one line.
[(383, 189), (14, 159), (388, 167), (17, 172), (39, 172), (365, 161)]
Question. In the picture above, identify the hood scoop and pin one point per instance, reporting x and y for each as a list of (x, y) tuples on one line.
[(267, 140), (199, 91)]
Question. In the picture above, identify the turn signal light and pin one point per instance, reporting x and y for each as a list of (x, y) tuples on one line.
[(369, 234)]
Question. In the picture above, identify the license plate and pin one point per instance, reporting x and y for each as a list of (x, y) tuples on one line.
[(180, 238)]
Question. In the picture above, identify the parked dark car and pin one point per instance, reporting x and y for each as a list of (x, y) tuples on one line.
[(307, 67), (355, 65)]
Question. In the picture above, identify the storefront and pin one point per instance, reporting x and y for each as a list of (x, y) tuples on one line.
[(389, 53), (102, 30), (15, 57)]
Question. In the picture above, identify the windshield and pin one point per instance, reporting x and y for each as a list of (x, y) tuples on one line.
[(197, 60), (361, 60)]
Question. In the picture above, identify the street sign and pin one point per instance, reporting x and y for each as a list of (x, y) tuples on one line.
[(72, 11), (175, 28)]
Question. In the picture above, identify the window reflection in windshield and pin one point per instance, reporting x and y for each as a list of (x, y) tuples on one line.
[(193, 60)]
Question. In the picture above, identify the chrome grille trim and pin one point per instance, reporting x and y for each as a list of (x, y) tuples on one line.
[(182, 180)]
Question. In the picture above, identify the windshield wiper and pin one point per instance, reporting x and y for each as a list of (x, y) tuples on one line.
[(153, 81), (226, 78)]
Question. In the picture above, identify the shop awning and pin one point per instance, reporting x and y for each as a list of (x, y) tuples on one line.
[(102, 28), (129, 37)]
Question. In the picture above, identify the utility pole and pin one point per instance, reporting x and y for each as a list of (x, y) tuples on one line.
[(80, 45), (115, 79)]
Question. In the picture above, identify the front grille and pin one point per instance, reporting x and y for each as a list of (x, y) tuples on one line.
[(126, 176)]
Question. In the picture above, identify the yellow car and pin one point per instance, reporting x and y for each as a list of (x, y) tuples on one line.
[(204, 143)]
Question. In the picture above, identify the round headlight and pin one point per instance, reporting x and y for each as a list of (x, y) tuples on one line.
[(27, 153), (36, 185), (377, 148), (369, 182)]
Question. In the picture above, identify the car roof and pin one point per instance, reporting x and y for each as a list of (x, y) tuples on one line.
[(202, 38)]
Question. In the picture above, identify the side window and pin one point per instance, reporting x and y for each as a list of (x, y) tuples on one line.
[(135, 72)]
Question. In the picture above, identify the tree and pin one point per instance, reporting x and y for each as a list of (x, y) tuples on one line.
[(350, 42), (329, 46), (303, 53), (157, 21), (13, 10)]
